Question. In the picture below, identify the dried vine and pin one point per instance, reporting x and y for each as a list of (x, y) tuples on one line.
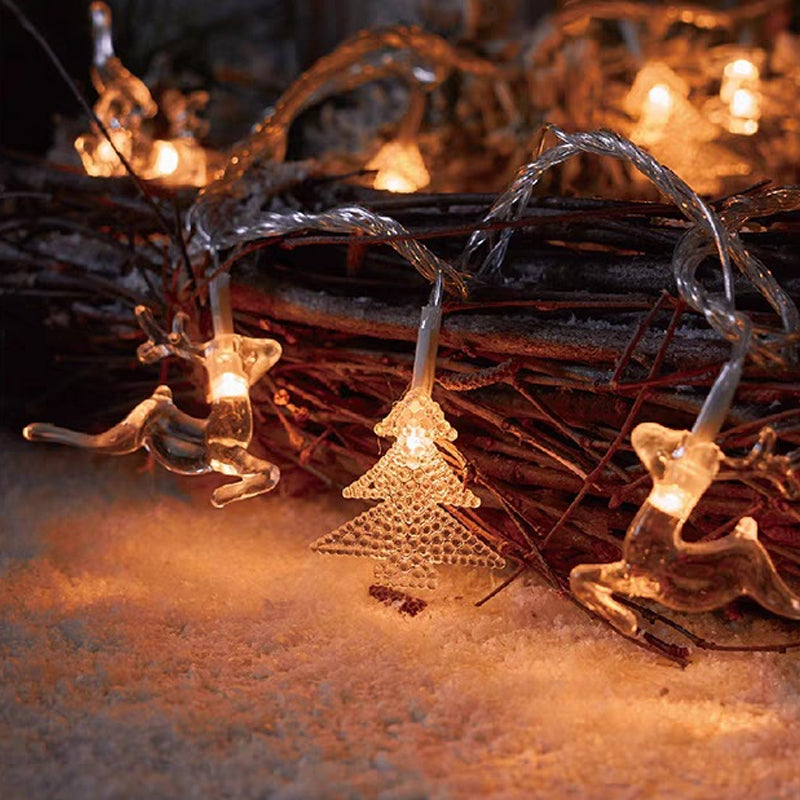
[(543, 373)]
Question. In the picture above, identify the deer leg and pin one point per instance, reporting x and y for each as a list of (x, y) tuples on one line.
[(593, 585), (257, 476), (763, 583), (125, 437)]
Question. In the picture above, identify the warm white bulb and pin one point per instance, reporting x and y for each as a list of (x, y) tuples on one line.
[(740, 92), (659, 105), (229, 385), (400, 168), (671, 499), (744, 103), (105, 151), (392, 181), (417, 439), (741, 69), (660, 98), (166, 158)]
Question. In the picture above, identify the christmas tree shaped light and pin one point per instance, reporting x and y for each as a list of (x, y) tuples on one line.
[(399, 164), (409, 531), (400, 168)]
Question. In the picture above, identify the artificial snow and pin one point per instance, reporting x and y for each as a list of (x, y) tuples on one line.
[(155, 647)]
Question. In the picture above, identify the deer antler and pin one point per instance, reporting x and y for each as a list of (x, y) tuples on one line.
[(161, 344)]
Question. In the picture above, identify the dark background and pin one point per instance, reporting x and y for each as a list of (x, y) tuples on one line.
[(244, 50)]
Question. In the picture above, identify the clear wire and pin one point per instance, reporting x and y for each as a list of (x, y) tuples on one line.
[(343, 220), (420, 58), (487, 247)]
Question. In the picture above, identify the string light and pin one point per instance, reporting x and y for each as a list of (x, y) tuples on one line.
[(659, 103), (185, 444), (165, 158), (656, 96), (124, 106), (400, 168), (399, 163), (656, 562), (409, 531)]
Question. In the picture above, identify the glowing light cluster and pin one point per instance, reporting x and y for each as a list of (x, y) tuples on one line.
[(126, 109), (740, 92), (683, 137)]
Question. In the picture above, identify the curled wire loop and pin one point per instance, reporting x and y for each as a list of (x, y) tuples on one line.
[(768, 343), (554, 29), (711, 233), (420, 58), (343, 220)]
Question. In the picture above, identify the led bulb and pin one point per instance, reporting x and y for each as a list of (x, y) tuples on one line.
[(740, 91), (228, 385), (658, 564), (409, 531), (165, 158), (672, 500), (735, 75), (417, 440), (659, 103), (400, 168)]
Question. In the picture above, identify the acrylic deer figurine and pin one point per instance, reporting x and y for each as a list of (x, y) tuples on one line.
[(656, 562), (182, 443)]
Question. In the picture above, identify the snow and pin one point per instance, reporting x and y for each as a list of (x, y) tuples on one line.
[(156, 647)]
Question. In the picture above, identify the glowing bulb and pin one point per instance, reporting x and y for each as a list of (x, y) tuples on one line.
[(660, 97), (98, 156), (105, 151), (400, 168), (228, 385), (741, 69), (165, 157), (740, 92), (659, 105), (409, 531), (744, 103), (417, 440), (392, 181), (671, 499), (657, 563)]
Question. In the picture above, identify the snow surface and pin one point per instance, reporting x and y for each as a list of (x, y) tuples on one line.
[(154, 647)]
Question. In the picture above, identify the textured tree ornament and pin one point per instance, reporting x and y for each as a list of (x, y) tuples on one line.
[(410, 532), (676, 132), (186, 444)]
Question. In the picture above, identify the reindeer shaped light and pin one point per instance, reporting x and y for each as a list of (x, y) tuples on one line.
[(659, 565), (127, 111), (186, 444), (656, 562)]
